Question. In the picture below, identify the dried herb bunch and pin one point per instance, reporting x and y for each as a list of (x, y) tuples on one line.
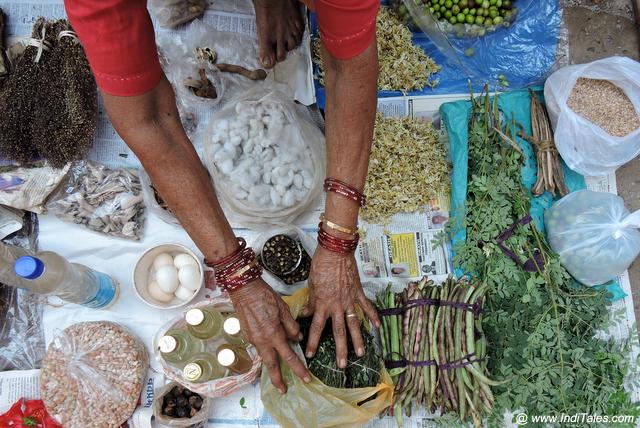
[(402, 65), (18, 99), (50, 105), (406, 170), (361, 372), (69, 89)]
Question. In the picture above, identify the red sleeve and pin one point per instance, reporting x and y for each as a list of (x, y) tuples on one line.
[(118, 39), (347, 27)]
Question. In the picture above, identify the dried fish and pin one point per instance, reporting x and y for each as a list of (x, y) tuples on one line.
[(102, 199)]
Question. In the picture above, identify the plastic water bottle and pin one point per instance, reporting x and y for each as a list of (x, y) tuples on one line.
[(8, 256), (51, 274)]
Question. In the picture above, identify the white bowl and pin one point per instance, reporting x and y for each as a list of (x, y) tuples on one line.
[(144, 268)]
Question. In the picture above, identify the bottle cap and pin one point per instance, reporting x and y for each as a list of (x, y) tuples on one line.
[(231, 326), (29, 267), (226, 357), (192, 372), (167, 344), (194, 317)]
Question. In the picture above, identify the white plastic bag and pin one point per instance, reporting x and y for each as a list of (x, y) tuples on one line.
[(260, 135), (307, 242), (584, 146), (594, 234)]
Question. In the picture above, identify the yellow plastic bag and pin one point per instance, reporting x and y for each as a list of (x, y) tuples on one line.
[(315, 405)]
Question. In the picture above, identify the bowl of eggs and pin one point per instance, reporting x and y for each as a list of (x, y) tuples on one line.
[(168, 276)]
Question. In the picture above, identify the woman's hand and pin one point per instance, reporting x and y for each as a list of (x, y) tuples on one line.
[(268, 324), (335, 289)]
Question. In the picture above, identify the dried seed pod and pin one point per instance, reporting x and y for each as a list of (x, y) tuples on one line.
[(195, 401), (20, 91), (68, 88)]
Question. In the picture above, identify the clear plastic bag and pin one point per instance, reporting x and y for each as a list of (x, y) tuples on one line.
[(21, 336), (217, 387), (181, 60), (104, 200), (519, 54), (584, 146), (171, 13), (316, 405), (307, 242), (594, 234), (270, 177), (201, 416), (92, 375)]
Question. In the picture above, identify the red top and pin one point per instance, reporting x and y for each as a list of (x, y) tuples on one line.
[(119, 41)]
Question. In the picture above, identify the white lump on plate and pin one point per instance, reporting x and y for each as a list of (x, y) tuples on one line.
[(257, 152)]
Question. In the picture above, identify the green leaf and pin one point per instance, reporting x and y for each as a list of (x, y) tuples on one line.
[(242, 403), (29, 421)]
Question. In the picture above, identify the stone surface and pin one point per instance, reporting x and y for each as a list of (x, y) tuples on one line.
[(598, 29)]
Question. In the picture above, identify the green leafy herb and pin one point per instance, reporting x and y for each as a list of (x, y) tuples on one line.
[(542, 328), (242, 403), (361, 372), (29, 421)]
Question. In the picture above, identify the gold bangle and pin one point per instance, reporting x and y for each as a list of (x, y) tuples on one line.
[(337, 227)]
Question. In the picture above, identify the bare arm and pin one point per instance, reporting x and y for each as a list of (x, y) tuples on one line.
[(150, 125), (350, 114)]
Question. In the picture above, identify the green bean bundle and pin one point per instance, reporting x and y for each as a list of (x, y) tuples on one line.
[(436, 348)]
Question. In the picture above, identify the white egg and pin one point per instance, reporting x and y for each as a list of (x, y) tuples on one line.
[(183, 293), (157, 294), (184, 259), (162, 259), (167, 278), (189, 277)]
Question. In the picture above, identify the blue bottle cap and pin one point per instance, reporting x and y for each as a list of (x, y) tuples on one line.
[(28, 267)]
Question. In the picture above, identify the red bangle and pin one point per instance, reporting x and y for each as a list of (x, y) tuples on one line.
[(242, 244), (335, 244), (344, 189), (237, 269)]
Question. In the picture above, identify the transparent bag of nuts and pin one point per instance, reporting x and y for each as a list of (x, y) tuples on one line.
[(92, 375), (307, 242), (217, 387), (201, 416)]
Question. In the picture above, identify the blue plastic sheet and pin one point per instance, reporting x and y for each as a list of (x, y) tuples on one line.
[(524, 53), (514, 105)]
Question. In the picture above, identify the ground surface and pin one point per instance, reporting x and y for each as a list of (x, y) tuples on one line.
[(598, 29)]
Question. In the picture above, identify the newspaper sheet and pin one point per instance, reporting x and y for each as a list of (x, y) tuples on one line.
[(15, 384)]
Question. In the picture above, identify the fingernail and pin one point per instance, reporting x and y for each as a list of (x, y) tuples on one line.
[(307, 379), (309, 354), (377, 324), (343, 363), (282, 391), (360, 352), (300, 336)]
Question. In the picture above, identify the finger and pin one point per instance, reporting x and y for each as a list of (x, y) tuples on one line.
[(369, 309), (292, 360), (306, 311), (340, 336), (291, 327), (317, 325), (271, 362), (353, 323)]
